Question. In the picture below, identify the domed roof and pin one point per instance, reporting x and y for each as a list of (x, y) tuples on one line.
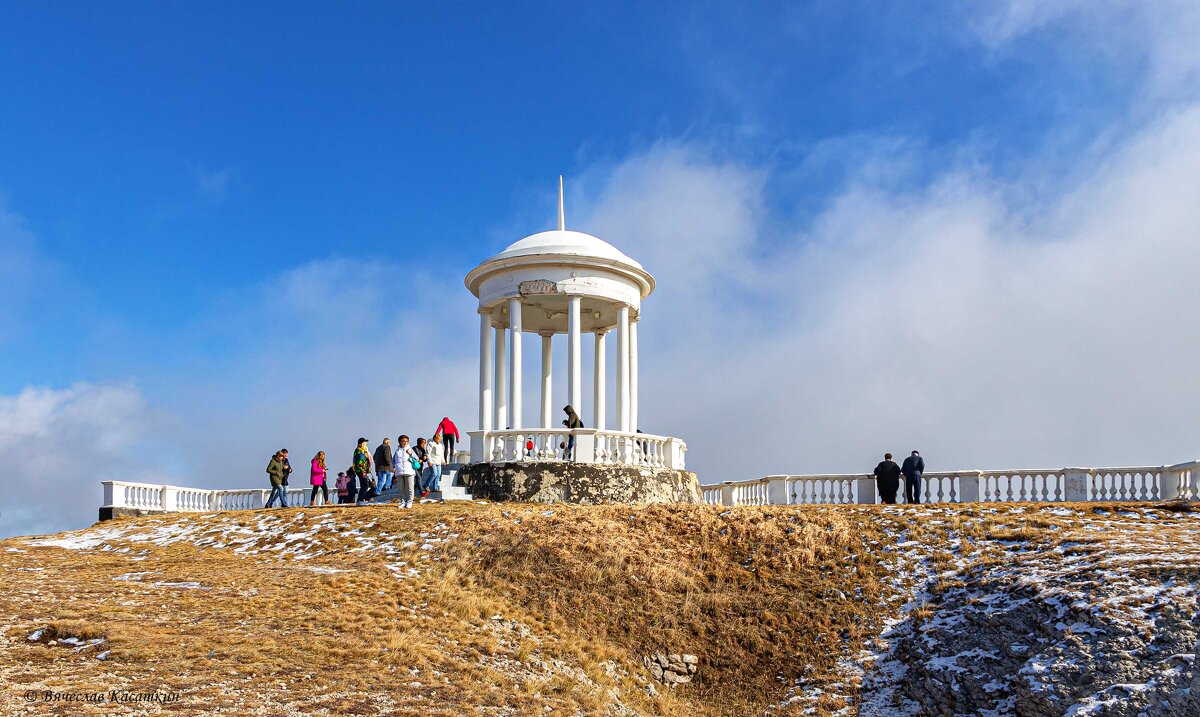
[(564, 242), (560, 248)]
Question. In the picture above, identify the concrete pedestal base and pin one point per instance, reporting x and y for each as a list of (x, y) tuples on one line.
[(587, 483)]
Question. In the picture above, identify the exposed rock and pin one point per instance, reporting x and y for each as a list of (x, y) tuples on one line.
[(672, 669), (589, 483)]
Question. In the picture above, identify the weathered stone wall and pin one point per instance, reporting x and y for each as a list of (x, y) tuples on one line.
[(580, 483), (109, 513)]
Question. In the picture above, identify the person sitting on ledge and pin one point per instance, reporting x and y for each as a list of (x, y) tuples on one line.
[(572, 422)]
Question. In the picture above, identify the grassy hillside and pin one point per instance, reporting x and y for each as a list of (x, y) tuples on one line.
[(550, 610)]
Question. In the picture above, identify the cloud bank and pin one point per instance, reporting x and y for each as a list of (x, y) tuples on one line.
[(986, 325)]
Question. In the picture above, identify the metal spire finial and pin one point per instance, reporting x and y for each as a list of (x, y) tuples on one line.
[(562, 220)]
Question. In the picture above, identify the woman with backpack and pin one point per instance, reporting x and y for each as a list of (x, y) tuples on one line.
[(435, 458), (406, 464), (422, 460), (318, 479), (343, 488)]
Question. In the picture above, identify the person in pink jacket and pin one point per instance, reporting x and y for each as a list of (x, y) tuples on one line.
[(449, 433), (318, 480)]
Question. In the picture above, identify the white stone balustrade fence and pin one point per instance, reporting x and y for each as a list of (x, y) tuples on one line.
[(173, 498), (1181, 480), (591, 446)]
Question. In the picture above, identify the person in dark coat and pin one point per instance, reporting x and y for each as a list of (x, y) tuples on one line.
[(351, 486), (887, 479), (572, 421), (383, 465), (277, 473), (913, 469)]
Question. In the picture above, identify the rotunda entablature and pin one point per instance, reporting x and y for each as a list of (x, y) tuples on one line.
[(544, 290)]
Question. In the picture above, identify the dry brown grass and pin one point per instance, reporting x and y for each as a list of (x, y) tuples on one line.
[(530, 610), (758, 593)]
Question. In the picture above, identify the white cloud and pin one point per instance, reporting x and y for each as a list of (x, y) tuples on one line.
[(1121, 33), (315, 357), (57, 445), (984, 324), (21, 267)]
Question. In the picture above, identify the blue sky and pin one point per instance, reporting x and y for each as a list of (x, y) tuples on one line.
[(204, 207), (172, 150)]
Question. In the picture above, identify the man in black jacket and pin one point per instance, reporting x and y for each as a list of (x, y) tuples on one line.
[(383, 465), (913, 469), (887, 479)]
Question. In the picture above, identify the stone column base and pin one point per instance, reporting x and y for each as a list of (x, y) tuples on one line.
[(586, 483)]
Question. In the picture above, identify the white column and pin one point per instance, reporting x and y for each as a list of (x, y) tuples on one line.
[(574, 360), (485, 371), (514, 363), (633, 376), (501, 378), (547, 373), (599, 388), (623, 368)]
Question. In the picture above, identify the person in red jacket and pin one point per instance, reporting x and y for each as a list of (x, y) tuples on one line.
[(449, 433)]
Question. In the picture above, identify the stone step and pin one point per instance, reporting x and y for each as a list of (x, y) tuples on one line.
[(451, 493), (451, 488)]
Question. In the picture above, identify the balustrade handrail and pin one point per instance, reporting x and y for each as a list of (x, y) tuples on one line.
[(508, 432), (160, 486), (1123, 483), (957, 473), (1180, 480)]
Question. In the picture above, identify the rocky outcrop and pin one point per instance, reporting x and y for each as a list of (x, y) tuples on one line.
[(671, 669), (587, 483), (1098, 617)]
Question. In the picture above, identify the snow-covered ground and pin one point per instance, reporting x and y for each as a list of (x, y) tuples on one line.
[(1094, 612), (298, 537)]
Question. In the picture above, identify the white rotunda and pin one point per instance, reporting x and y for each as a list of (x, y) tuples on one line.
[(551, 283)]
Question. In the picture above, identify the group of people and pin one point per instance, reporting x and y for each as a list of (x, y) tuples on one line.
[(887, 478), (414, 470)]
